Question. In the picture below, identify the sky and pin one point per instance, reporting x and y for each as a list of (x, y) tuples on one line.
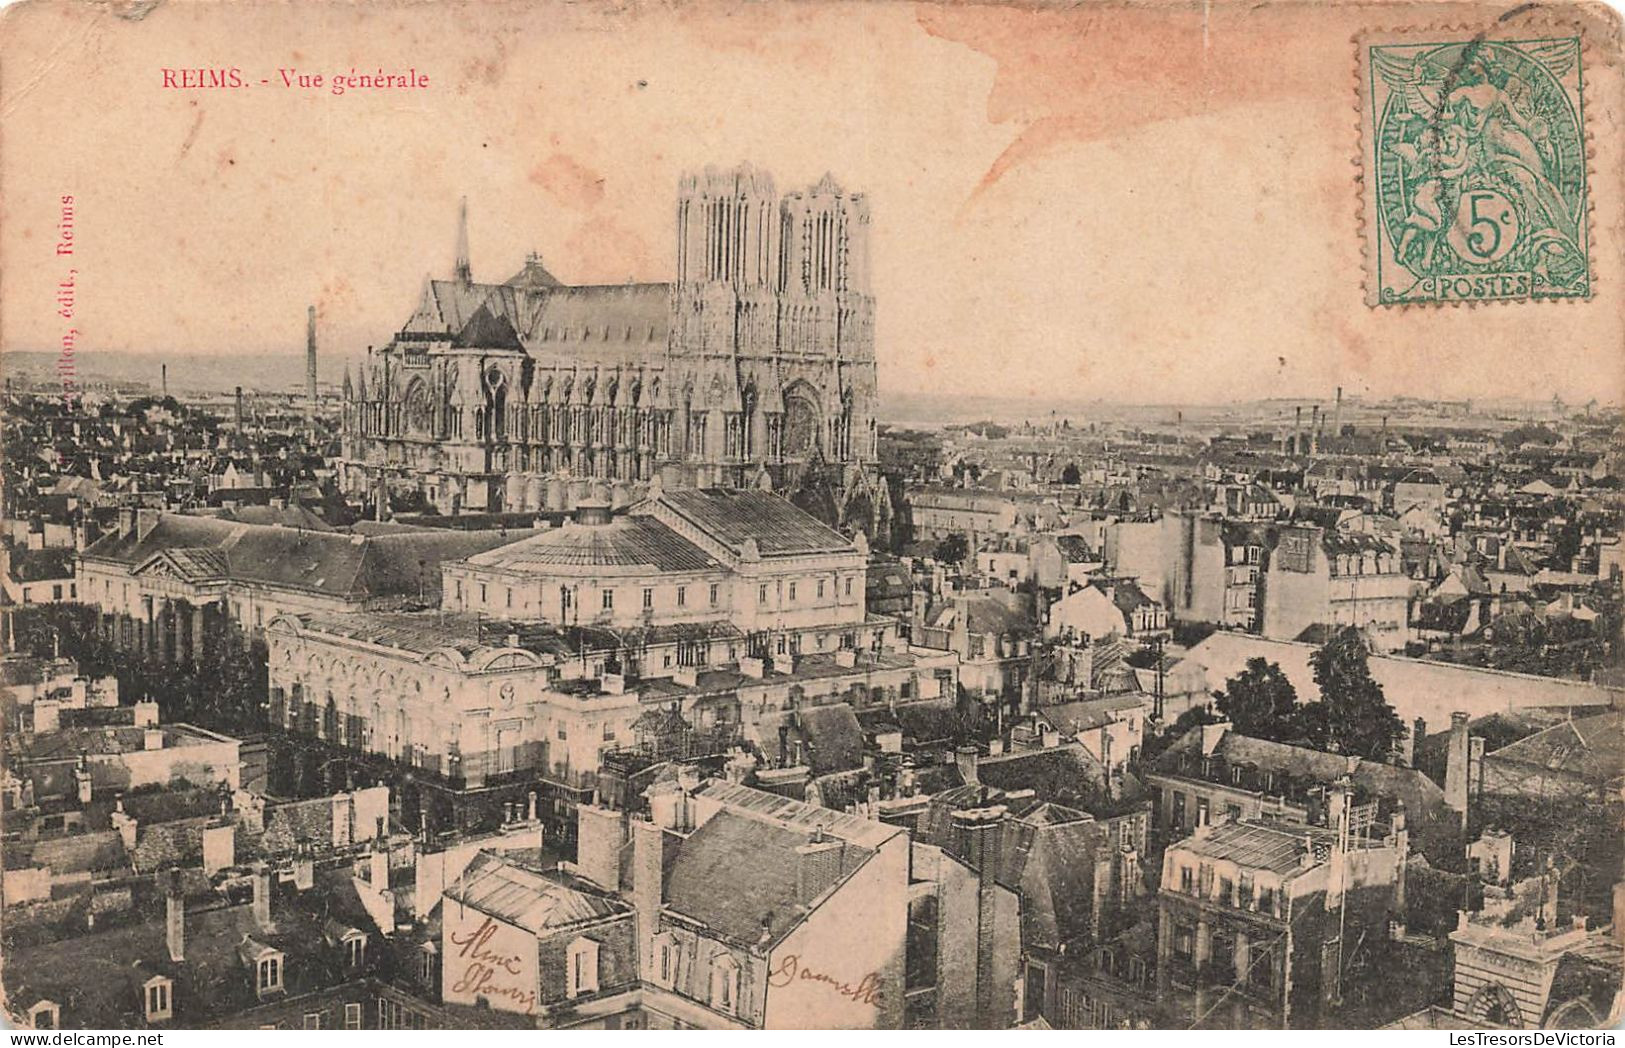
[(1136, 203)]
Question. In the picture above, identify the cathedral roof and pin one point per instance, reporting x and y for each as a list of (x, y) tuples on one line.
[(544, 318)]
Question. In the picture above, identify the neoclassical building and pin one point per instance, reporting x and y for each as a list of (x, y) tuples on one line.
[(754, 368), (717, 615)]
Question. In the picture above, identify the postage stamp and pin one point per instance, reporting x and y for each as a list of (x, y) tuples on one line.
[(1474, 159)]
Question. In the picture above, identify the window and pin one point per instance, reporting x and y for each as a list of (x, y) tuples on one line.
[(509, 597), (609, 732), (820, 589), (270, 974), (457, 591), (352, 1017), (609, 600), (566, 598), (761, 594), (355, 950), (1186, 879), (792, 591), (482, 593), (725, 984), (582, 961), (426, 963), (158, 999), (1184, 941), (563, 735), (1266, 899), (313, 1020), (45, 1015), (648, 598), (1226, 891), (713, 594), (849, 585), (666, 960), (682, 596)]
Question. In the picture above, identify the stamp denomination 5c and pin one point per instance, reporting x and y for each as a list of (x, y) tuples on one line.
[(1474, 156)]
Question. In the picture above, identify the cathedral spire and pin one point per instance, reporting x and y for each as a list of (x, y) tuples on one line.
[(465, 273)]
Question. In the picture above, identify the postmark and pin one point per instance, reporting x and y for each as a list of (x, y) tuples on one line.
[(1474, 165)]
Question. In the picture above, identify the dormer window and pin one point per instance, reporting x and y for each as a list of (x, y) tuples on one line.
[(725, 984), (355, 949), (157, 994), (268, 974), (426, 966), (45, 1015), (582, 961)]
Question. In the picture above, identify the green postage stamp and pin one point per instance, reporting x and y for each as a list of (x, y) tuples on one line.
[(1474, 158)]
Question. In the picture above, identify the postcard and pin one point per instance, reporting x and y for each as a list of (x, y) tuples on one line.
[(704, 514)]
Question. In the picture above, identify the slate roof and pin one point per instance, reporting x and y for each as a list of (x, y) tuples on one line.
[(834, 738), (40, 565), (347, 567), (731, 517), (1591, 748), (533, 312), (757, 860), (97, 978), (796, 815), (1262, 846), (536, 901), (642, 544), (95, 853)]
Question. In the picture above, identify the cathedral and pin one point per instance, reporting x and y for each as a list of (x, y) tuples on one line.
[(755, 368)]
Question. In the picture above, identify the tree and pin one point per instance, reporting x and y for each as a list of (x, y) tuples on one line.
[(952, 549), (1259, 701), (1359, 720), (1070, 474)]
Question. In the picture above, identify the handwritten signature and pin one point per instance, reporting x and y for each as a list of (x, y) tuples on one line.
[(483, 975), (865, 991)]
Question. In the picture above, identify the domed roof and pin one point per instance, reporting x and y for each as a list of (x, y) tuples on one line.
[(637, 544)]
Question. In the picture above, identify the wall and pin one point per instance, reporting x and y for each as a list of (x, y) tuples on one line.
[(823, 976)]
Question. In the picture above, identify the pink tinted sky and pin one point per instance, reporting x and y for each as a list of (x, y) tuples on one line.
[(1135, 203)]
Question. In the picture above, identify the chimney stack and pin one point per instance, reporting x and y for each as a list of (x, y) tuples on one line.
[(262, 896), (163, 372), (1455, 773), (965, 761), (310, 369), (1337, 414), (239, 409), (175, 917), (1297, 430)]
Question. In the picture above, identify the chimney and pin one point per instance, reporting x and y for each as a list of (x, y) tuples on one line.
[(600, 835), (152, 739), (310, 368), (1455, 773), (648, 871), (304, 871), (262, 896), (124, 824), (1337, 414), (965, 761), (163, 371), (146, 518), (818, 865), (1314, 430), (378, 866), (238, 408), (175, 917), (1297, 430)]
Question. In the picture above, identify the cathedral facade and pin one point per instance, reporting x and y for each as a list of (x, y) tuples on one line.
[(755, 368)]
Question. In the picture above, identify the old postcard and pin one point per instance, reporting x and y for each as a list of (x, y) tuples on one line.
[(642, 515)]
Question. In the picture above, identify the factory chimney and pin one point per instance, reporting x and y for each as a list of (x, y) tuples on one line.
[(163, 371), (239, 410), (310, 369), (1337, 415), (465, 271), (1314, 430), (1297, 430)]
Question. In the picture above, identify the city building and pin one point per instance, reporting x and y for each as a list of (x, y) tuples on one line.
[(755, 367)]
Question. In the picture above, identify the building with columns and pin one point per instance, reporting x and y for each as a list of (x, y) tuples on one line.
[(697, 621), (171, 584), (755, 367)]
